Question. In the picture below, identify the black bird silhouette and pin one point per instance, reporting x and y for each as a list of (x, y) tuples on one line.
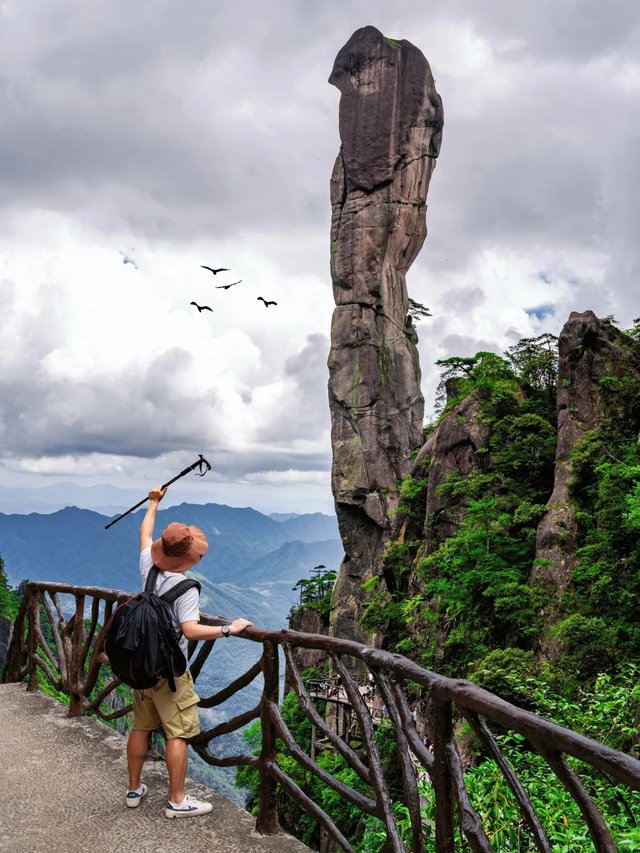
[(266, 303), (201, 308), (227, 286), (215, 272)]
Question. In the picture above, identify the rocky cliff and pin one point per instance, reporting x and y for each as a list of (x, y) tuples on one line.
[(517, 533), (390, 128), (451, 449), (594, 359), (5, 638)]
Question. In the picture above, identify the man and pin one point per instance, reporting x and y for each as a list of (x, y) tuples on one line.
[(180, 547)]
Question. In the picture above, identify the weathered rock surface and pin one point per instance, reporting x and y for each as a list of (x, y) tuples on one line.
[(450, 449), (308, 620), (390, 126), (589, 350), (5, 638)]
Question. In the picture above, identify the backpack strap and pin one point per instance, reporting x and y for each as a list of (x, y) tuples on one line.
[(172, 595), (152, 577), (176, 591)]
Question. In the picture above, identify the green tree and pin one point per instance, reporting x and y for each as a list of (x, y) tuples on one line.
[(535, 362), (9, 598)]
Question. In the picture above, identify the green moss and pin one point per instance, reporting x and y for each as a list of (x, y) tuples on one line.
[(395, 44), (383, 365), (354, 384), (352, 465), (334, 246)]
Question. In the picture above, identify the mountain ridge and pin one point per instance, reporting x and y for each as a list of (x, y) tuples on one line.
[(252, 562)]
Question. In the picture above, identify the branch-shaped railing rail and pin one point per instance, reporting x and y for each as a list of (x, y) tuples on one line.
[(67, 650)]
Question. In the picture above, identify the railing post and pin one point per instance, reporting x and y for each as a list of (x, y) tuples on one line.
[(267, 819), (441, 730), (32, 611), (75, 659)]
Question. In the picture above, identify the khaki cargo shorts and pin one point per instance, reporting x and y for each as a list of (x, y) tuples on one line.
[(176, 713)]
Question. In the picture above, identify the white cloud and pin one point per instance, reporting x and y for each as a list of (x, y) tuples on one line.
[(178, 140)]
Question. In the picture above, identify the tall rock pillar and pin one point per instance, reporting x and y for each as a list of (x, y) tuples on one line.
[(390, 127)]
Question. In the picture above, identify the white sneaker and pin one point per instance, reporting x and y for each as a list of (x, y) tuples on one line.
[(189, 807), (133, 799)]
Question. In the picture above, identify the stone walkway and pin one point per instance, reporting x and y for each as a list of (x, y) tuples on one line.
[(63, 783)]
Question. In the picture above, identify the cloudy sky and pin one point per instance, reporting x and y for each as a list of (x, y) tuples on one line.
[(140, 140)]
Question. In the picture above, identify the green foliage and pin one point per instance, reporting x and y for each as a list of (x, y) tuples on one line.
[(417, 311), (604, 712), (474, 593), (471, 594), (485, 372), (606, 582), (632, 516), (9, 598), (523, 446), (587, 644), (504, 672), (634, 331), (315, 592), (477, 583), (535, 363), (558, 812)]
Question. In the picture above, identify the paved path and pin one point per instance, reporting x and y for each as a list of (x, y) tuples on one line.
[(63, 783)]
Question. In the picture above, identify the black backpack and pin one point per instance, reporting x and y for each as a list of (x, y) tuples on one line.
[(141, 643)]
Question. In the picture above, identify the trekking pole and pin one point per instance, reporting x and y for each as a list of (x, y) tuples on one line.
[(202, 464)]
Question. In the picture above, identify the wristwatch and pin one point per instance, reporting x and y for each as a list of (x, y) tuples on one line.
[(226, 630)]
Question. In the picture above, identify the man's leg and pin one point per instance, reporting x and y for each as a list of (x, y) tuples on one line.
[(137, 746), (176, 759)]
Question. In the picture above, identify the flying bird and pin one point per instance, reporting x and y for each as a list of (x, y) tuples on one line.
[(201, 308), (215, 272), (227, 286), (126, 259), (266, 302)]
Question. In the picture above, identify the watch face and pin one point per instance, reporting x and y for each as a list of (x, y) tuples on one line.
[(226, 630)]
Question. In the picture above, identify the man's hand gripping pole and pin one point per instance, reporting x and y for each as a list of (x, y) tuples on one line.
[(202, 465)]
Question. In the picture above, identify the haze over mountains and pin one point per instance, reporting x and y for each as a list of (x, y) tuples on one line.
[(108, 499), (252, 563)]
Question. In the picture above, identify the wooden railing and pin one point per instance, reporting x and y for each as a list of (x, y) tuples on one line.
[(67, 650)]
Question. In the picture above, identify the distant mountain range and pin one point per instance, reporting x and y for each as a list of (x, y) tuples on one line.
[(252, 562)]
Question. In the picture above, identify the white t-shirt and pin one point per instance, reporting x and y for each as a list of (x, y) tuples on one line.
[(186, 608)]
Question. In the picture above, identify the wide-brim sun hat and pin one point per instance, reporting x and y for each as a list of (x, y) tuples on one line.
[(180, 547)]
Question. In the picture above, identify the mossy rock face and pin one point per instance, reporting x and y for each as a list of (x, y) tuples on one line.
[(332, 260), (598, 406)]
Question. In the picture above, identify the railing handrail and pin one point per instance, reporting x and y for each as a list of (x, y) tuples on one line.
[(388, 670)]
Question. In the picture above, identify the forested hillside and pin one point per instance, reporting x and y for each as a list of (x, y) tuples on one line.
[(517, 555)]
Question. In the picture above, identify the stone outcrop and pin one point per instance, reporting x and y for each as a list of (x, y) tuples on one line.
[(5, 638), (308, 620), (390, 127), (590, 353), (452, 448)]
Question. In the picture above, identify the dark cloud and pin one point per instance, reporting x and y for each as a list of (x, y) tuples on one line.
[(238, 464), (558, 28), (125, 413), (174, 124), (305, 411)]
